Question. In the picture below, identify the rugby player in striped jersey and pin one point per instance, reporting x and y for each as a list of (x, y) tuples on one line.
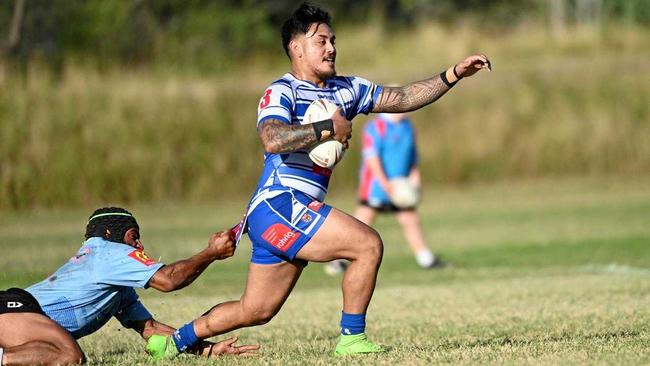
[(287, 220)]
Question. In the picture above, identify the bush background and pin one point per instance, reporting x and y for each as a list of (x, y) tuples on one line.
[(155, 101)]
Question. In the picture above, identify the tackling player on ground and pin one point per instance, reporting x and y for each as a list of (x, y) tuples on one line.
[(40, 325), (288, 223)]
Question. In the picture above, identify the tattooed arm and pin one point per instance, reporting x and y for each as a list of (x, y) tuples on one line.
[(279, 137), (420, 93), (410, 97)]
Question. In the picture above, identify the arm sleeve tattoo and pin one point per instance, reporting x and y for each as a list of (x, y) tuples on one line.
[(279, 137), (410, 97)]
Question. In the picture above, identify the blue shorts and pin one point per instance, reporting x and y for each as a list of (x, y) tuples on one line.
[(281, 225)]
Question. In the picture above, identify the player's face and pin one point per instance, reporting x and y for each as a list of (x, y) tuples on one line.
[(319, 53), (132, 238)]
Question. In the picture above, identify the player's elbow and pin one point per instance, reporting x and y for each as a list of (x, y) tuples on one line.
[(166, 282), (169, 285), (269, 135), (271, 146)]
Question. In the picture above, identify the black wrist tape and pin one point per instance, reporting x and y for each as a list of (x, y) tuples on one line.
[(443, 76), (323, 129)]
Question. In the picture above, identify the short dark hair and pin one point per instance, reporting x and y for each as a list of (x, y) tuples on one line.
[(116, 219), (300, 21)]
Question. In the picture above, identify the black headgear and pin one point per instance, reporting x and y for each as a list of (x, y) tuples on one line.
[(117, 220)]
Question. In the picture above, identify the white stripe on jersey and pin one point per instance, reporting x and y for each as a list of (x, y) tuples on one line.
[(286, 100), (301, 184)]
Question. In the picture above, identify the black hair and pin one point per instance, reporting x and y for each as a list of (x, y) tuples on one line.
[(300, 21), (114, 219)]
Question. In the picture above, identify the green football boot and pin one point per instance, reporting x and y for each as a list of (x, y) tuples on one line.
[(355, 345), (161, 347)]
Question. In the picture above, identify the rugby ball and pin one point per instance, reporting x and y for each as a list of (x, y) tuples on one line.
[(329, 152), (405, 194)]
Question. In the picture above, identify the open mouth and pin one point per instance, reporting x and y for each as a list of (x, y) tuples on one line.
[(330, 60)]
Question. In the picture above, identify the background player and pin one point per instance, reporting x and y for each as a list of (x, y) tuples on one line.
[(288, 223), (41, 325), (389, 151)]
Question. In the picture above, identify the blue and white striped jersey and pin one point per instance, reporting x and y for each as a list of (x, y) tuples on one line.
[(286, 100)]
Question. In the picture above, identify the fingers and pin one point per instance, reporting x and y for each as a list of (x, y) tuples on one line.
[(247, 351), (219, 234), (230, 250), (217, 237), (347, 138), (226, 235), (342, 127), (228, 347), (247, 348), (482, 62), (472, 64), (222, 244)]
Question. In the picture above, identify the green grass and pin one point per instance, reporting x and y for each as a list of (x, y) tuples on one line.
[(541, 272)]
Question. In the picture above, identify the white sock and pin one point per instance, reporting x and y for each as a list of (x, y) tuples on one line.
[(424, 258), (2, 352)]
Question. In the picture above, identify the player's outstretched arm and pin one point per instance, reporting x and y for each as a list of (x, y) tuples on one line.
[(421, 93), (279, 137), (181, 273)]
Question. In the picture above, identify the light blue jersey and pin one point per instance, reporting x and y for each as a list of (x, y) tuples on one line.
[(395, 145), (95, 285)]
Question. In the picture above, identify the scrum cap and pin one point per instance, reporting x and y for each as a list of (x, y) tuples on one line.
[(114, 219)]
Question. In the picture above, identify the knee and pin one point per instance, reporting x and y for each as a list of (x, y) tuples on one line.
[(257, 315), (372, 248)]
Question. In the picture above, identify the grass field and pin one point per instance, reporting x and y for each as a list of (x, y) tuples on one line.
[(543, 272)]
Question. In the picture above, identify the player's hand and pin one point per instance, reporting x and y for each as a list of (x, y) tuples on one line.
[(342, 127), (228, 347), (471, 65), (221, 245)]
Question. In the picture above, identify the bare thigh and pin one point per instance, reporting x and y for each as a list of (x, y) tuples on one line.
[(19, 328), (340, 237)]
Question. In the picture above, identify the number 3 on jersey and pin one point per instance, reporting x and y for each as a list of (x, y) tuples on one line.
[(266, 98)]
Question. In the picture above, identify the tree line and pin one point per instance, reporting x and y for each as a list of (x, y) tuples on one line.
[(198, 32)]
